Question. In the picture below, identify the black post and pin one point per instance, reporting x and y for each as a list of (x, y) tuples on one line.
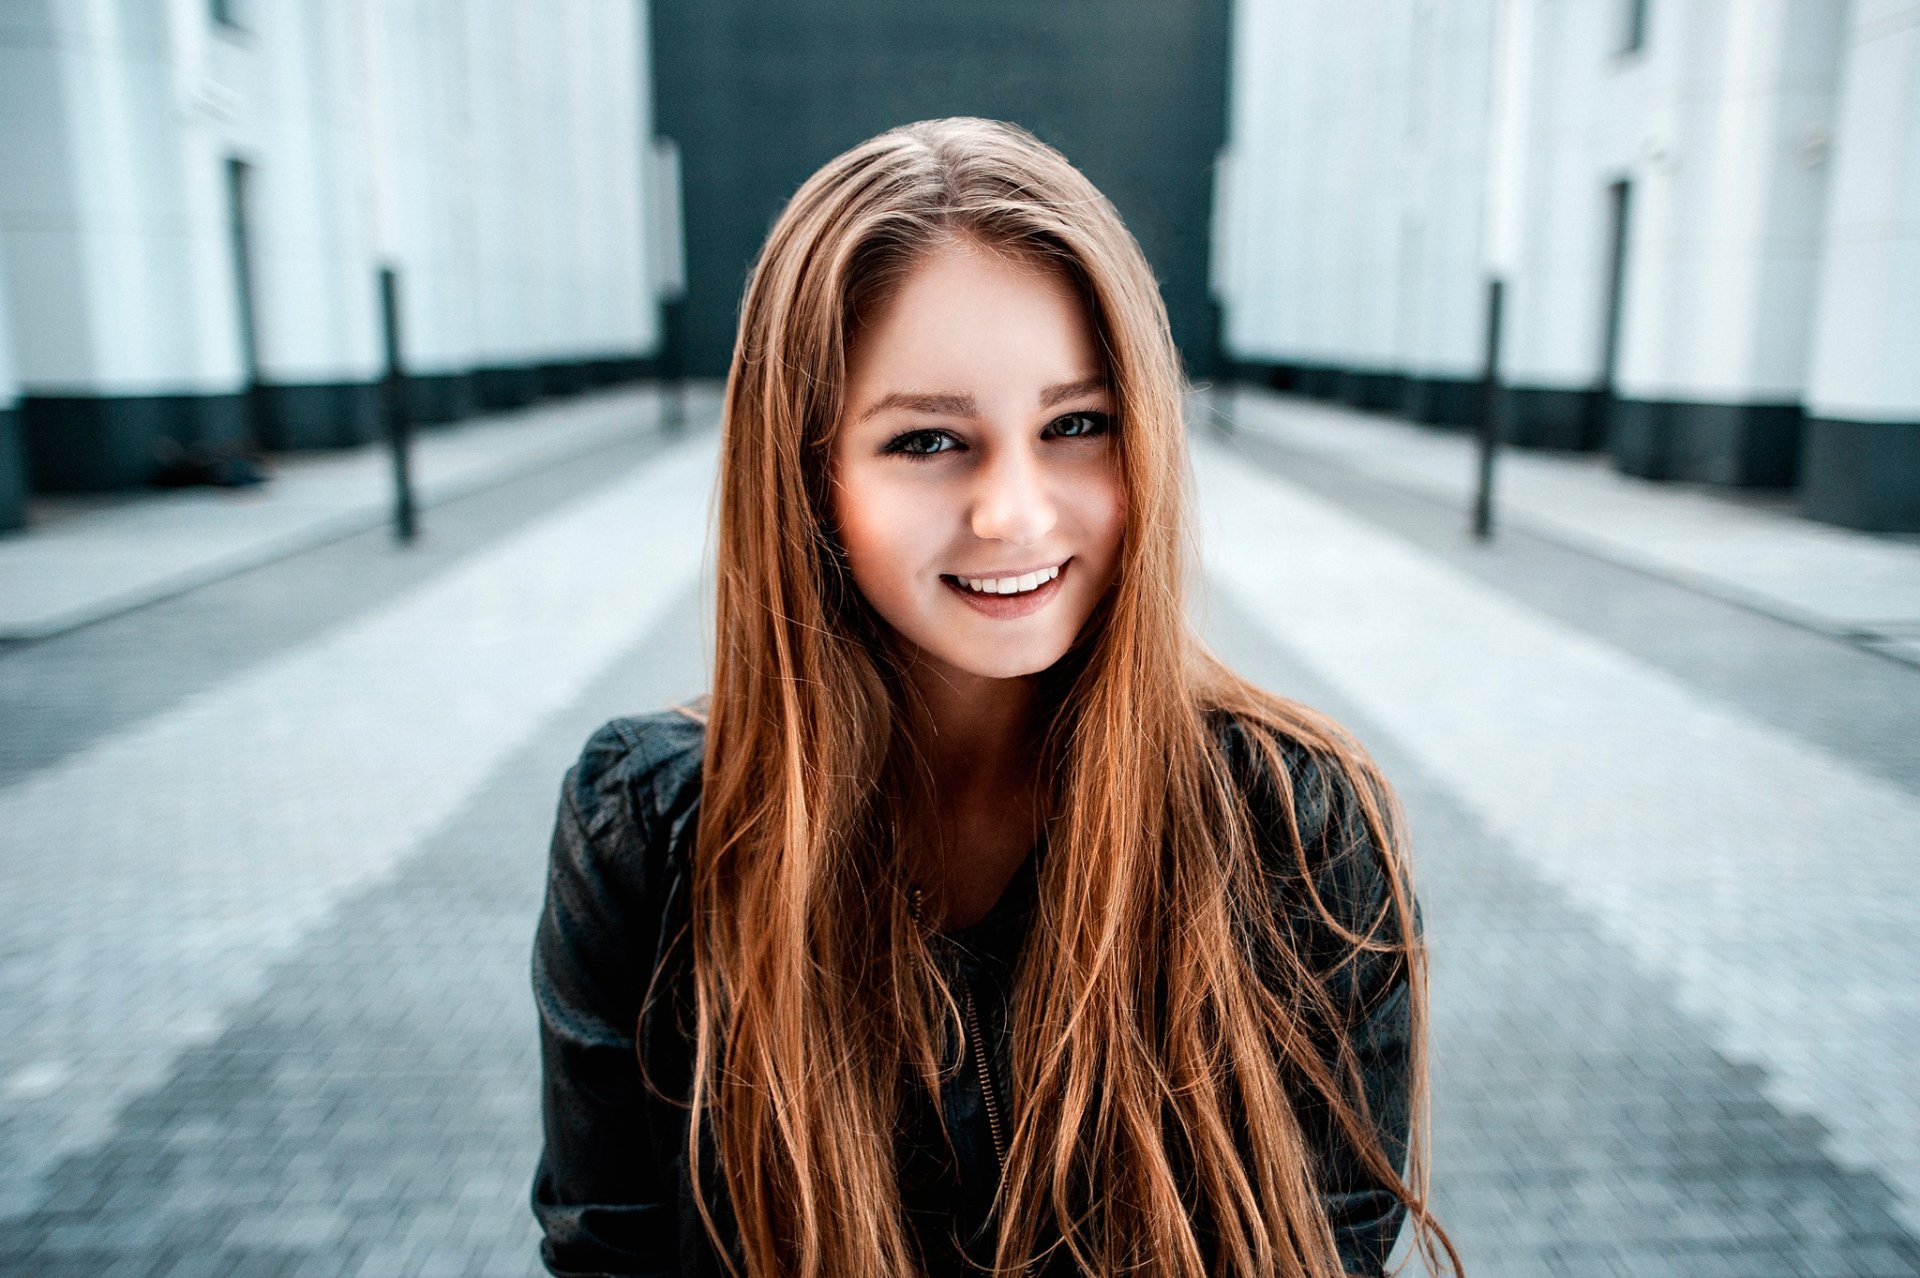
[(1489, 414), (1226, 374), (673, 366), (239, 223), (399, 412)]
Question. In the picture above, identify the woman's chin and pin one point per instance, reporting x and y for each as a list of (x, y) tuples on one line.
[(1022, 664), (953, 661)]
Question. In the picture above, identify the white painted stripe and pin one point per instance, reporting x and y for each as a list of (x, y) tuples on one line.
[(1773, 883), (153, 878)]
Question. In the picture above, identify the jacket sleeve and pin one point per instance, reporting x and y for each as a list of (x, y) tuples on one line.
[(1372, 1004), (604, 1205), (1374, 998)]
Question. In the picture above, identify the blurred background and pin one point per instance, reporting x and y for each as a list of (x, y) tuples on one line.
[(359, 387)]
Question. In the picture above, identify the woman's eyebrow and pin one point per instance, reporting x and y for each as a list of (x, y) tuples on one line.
[(1068, 390), (964, 405), (923, 402)]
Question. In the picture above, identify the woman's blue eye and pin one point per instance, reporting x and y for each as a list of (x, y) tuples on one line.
[(929, 443), (1081, 425), (921, 443)]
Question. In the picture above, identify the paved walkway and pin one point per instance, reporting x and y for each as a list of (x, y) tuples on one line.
[(1743, 889), (263, 1003), (1751, 549), (88, 557)]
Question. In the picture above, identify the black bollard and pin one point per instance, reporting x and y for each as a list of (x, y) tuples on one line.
[(399, 412), (1489, 414), (673, 367)]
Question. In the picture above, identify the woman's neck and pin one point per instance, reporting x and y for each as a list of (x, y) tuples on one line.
[(979, 733), (980, 740)]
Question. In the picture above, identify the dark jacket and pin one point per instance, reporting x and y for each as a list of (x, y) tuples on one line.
[(612, 1191)]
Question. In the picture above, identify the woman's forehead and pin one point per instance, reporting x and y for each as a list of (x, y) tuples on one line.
[(966, 319)]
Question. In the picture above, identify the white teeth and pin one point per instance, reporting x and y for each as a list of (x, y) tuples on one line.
[(1010, 585)]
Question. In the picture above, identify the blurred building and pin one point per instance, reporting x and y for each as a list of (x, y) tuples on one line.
[(1706, 217), (196, 197), (760, 93)]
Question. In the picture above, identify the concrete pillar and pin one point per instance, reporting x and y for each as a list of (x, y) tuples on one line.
[(507, 374), (1582, 97), (620, 113), (315, 298), (193, 214), (1725, 219), (1444, 265), (1862, 463), (422, 176), (1348, 255), (114, 236), (13, 461)]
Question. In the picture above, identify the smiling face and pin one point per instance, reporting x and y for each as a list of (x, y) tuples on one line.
[(976, 481)]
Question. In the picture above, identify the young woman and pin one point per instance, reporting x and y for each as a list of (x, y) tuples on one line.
[(980, 918)]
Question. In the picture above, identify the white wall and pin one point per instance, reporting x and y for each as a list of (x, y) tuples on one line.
[(9, 380), (624, 316), (1581, 121), (492, 151), (111, 223), (1730, 190), (1351, 220), (314, 290), (1866, 348), (416, 64), (551, 115), (1446, 279), (505, 269), (1359, 166)]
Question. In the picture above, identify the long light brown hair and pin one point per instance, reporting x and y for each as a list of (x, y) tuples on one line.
[(1161, 1011)]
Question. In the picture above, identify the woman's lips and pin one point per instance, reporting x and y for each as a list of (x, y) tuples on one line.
[(1007, 607)]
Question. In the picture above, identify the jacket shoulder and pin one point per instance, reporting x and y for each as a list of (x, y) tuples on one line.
[(620, 841), (1319, 803), (1314, 794), (638, 769)]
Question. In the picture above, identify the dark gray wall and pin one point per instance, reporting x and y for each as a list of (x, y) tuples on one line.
[(760, 95)]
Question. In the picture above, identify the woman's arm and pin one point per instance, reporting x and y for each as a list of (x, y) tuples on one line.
[(600, 1196)]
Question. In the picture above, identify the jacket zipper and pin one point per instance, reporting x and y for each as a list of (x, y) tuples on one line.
[(978, 1043), (976, 1048)]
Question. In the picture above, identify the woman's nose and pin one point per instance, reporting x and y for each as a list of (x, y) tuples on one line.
[(1011, 502)]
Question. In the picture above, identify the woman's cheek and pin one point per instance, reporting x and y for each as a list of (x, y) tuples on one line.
[(879, 536), (1115, 522)]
